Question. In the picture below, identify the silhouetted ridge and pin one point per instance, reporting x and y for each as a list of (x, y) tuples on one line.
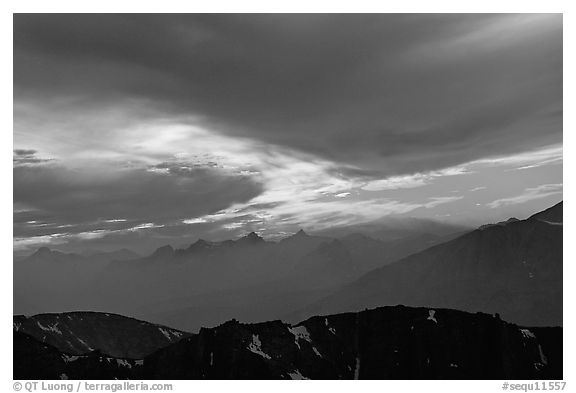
[(553, 214), (300, 233), (43, 251), (82, 332), (501, 223), (384, 343), (334, 249), (513, 268), (199, 245), (251, 238), (164, 252)]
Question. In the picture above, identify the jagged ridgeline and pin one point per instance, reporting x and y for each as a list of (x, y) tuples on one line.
[(384, 343), (511, 271)]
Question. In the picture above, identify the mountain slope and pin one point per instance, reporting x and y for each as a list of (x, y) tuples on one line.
[(293, 273), (384, 343), (80, 333), (36, 360), (553, 214), (513, 268)]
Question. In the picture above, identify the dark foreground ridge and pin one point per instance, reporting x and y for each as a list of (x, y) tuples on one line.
[(78, 333), (384, 343)]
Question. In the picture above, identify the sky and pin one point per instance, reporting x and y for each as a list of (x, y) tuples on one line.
[(143, 130)]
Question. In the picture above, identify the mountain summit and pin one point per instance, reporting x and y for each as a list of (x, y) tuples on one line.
[(300, 233), (552, 215), (514, 269), (251, 238)]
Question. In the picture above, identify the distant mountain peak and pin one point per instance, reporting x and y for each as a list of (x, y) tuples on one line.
[(251, 238), (163, 252), (501, 223), (43, 251), (199, 245), (335, 247), (553, 214), (300, 234), (357, 236)]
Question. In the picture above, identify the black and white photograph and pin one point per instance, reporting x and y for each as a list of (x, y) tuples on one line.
[(288, 196)]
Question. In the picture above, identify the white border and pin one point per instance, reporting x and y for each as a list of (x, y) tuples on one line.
[(50, 6)]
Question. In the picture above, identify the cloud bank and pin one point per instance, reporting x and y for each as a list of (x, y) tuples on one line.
[(186, 126)]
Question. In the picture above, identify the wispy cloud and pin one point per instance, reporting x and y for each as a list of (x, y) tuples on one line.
[(23, 157), (437, 201), (414, 180), (342, 195), (529, 194), (358, 132), (530, 159)]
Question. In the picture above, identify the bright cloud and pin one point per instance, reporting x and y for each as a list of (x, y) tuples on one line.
[(529, 194)]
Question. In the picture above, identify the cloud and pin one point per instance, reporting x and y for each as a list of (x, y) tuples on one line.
[(528, 159), (412, 181), (437, 201), (529, 194), (210, 125), (28, 157), (390, 93), (104, 193), (24, 152), (342, 195)]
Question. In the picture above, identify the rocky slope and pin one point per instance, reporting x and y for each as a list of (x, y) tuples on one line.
[(79, 333), (384, 343), (205, 283), (513, 268)]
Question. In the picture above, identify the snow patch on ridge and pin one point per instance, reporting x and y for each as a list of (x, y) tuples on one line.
[(543, 360), (256, 347), (123, 363), (330, 329), (300, 333), (527, 333), (296, 374), (552, 223), (165, 333), (68, 358), (357, 368), (53, 328), (85, 345)]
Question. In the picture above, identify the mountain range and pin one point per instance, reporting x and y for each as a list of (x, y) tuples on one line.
[(513, 268), (78, 333), (434, 307), (384, 343), (208, 283)]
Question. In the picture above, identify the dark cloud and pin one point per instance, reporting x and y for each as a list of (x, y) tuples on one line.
[(387, 93), (27, 157), (91, 199), (24, 152), (183, 168), (259, 206)]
